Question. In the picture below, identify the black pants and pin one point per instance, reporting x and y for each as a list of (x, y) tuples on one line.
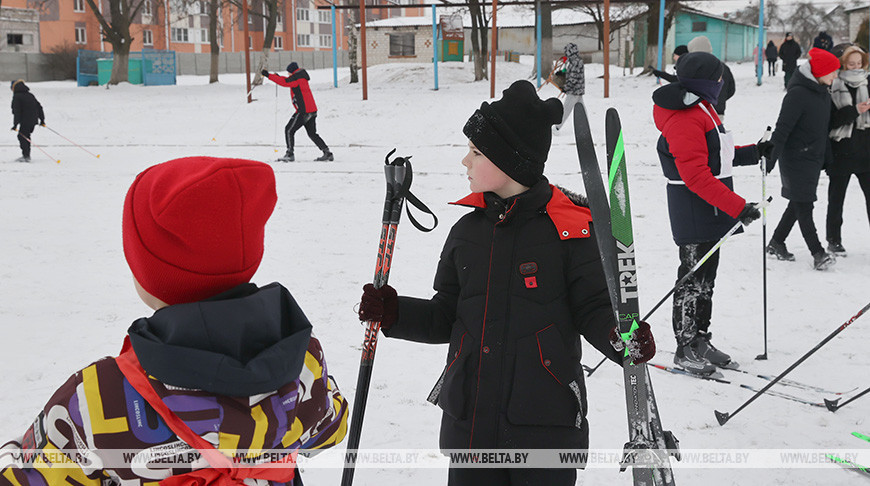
[(24, 132), (802, 213), (307, 120), (771, 68), (836, 199), (457, 476), (788, 72), (693, 301)]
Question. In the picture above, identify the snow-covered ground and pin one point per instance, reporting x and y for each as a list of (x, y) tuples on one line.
[(66, 296)]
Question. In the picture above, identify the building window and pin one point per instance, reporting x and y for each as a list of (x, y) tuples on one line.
[(279, 43), (250, 42), (178, 34), (302, 14), (203, 8), (325, 40), (402, 45), (324, 16), (203, 36), (699, 26), (81, 35), (146, 8), (147, 38), (303, 40), (15, 39), (78, 5)]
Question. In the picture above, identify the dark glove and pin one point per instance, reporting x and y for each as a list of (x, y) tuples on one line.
[(14, 128), (764, 149), (641, 345), (749, 214), (42, 123), (379, 305), (265, 73)]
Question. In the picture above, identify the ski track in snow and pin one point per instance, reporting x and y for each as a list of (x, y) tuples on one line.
[(67, 295)]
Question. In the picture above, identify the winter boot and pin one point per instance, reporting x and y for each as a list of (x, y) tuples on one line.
[(23, 158), (823, 260), (327, 156), (836, 248), (780, 251), (707, 350), (288, 157), (688, 358)]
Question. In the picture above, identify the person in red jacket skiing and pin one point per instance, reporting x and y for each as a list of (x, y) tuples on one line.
[(305, 114), (697, 154)]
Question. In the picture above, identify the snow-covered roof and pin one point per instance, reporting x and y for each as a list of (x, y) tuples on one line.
[(508, 16)]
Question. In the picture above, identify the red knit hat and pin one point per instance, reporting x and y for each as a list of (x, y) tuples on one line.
[(194, 227), (822, 62)]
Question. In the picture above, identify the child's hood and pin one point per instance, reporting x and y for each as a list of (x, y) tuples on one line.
[(244, 342), (19, 86)]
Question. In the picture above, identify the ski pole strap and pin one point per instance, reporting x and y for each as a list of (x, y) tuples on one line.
[(405, 192), (221, 471)]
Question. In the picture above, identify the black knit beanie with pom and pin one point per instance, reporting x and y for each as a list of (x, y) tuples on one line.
[(515, 132)]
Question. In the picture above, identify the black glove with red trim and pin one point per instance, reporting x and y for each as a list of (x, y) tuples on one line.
[(641, 345), (379, 305), (265, 73)]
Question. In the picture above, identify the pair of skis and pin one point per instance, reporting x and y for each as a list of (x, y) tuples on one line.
[(648, 443)]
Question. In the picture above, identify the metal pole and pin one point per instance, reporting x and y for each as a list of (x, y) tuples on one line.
[(661, 34), (539, 62), (247, 53), (759, 72), (493, 49), (362, 47), (435, 45), (606, 48), (334, 50)]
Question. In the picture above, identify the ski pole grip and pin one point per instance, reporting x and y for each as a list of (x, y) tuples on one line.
[(767, 134)]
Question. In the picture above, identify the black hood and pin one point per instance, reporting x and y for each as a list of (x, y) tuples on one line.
[(673, 97), (19, 87), (243, 342)]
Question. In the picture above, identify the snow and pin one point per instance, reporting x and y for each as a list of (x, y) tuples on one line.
[(67, 295)]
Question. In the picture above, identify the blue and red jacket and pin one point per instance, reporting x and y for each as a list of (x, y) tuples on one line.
[(701, 200), (303, 100)]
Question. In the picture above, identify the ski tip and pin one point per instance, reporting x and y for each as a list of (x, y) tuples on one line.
[(58, 161), (832, 404), (98, 156), (722, 417)]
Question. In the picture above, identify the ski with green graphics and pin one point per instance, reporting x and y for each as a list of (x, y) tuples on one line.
[(863, 470), (648, 443)]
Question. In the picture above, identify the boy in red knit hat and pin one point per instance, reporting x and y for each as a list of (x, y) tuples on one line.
[(801, 146), (221, 368)]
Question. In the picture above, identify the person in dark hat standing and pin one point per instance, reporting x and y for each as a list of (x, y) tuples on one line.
[(26, 114), (305, 114), (678, 51), (803, 149), (697, 155), (790, 51), (823, 41), (771, 53), (519, 282)]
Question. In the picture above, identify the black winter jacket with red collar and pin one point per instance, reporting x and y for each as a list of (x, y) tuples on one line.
[(518, 283)]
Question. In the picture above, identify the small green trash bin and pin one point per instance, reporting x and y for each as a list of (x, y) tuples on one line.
[(134, 71)]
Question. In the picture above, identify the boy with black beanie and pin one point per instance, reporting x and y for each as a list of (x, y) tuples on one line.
[(697, 154), (520, 280)]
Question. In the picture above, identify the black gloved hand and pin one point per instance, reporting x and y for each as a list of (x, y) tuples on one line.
[(641, 345), (379, 305), (265, 73), (749, 214), (42, 123), (14, 128), (764, 148)]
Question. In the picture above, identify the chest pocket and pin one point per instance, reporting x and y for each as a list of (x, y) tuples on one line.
[(538, 274)]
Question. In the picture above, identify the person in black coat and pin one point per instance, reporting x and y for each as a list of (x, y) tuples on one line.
[(519, 281), (26, 113), (850, 140), (823, 41), (790, 51), (801, 146), (771, 53)]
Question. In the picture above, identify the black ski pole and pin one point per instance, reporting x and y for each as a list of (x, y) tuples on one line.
[(765, 138), (395, 174), (833, 406), (680, 282), (723, 417)]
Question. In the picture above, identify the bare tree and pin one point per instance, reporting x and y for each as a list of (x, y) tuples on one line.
[(619, 17), (805, 21), (263, 11), (652, 28), (479, 47), (116, 31)]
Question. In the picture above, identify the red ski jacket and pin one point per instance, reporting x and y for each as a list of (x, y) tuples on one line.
[(303, 100)]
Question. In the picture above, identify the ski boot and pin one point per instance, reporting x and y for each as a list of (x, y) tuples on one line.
[(688, 358), (780, 251), (836, 248), (823, 260), (288, 157), (23, 158), (327, 156), (706, 350)]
